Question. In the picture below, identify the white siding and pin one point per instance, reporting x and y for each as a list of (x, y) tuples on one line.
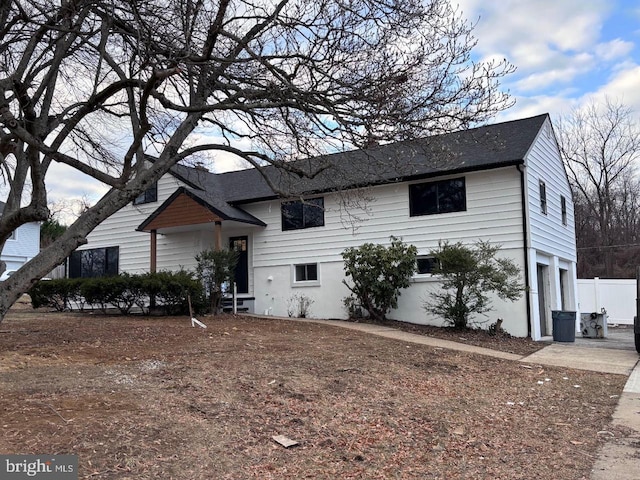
[(548, 234), (120, 230), (551, 243), (23, 247), (494, 213)]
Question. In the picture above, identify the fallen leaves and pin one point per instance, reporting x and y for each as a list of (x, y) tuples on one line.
[(158, 400)]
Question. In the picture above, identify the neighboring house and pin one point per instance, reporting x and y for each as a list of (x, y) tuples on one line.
[(504, 183), (22, 246)]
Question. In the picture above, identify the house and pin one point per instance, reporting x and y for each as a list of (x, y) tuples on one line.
[(22, 246), (504, 183)]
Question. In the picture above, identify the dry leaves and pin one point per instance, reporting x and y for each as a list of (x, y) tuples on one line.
[(156, 398)]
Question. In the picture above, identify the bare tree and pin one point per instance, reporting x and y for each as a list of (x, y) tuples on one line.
[(601, 149), (97, 84)]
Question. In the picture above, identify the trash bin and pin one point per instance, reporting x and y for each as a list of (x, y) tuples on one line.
[(564, 326)]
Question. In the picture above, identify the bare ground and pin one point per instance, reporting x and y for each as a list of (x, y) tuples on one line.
[(146, 398)]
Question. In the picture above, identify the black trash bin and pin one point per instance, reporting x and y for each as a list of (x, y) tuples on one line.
[(564, 326)]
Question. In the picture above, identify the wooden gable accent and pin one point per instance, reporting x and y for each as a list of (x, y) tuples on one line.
[(182, 211)]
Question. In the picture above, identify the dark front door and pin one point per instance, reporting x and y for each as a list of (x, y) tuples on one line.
[(241, 245)]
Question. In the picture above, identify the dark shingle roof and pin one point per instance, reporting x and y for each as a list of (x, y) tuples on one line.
[(482, 148)]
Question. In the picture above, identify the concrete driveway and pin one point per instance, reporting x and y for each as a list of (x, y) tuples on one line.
[(614, 354), (618, 458)]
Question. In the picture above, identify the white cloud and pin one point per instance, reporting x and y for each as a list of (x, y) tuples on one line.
[(616, 48), (622, 87)]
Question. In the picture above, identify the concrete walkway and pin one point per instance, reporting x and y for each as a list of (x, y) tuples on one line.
[(619, 458)]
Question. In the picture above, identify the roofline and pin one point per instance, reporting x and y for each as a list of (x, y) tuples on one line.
[(172, 171), (197, 199), (407, 178)]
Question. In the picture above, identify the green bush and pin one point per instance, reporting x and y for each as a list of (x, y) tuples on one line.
[(468, 274), (124, 291), (169, 290), (96, 291), (378, 273), (58, 294), (215, 268)]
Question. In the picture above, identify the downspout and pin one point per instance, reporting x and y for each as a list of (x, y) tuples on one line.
[(525, 235)]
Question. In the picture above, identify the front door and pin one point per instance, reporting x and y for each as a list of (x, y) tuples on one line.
[(241, 245)]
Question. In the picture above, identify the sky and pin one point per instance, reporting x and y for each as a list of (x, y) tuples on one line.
[(567, 53)]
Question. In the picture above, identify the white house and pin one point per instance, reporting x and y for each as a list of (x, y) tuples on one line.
[(22, 246), (504, 183)]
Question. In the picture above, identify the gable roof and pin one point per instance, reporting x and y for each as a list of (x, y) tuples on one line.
[(209, 201), (482, 148)]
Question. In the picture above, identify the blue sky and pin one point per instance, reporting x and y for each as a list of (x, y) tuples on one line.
[(567, 53)]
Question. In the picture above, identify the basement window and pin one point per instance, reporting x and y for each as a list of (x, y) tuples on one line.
[(305, 274)]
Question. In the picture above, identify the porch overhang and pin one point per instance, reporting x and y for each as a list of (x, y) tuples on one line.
[(187, 207)]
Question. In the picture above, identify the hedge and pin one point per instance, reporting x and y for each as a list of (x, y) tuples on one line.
[(168, 289)]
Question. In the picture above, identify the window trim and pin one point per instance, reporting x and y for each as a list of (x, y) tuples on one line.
[(107, 252), (563, 210), (543, 197), (437, 183), (142, 198), (425, 257), (305, 283), (305, 204)]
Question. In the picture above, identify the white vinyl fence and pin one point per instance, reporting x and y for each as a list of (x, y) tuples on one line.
[(617, 297)]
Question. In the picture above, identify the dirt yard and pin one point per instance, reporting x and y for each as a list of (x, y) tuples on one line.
[(139, 398)]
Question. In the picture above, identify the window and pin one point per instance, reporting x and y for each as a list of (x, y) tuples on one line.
[(563, 208), (96, 262), (306, 273), (443, 196), (303, 214), (148, 196), (543, 197), (426, 265), (13, 235)]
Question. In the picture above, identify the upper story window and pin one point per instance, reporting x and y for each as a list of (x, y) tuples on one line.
[(95, 262), (13, 235), (563, 209), (543, 197), (299, 214), (443, 196), (148, 196)]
